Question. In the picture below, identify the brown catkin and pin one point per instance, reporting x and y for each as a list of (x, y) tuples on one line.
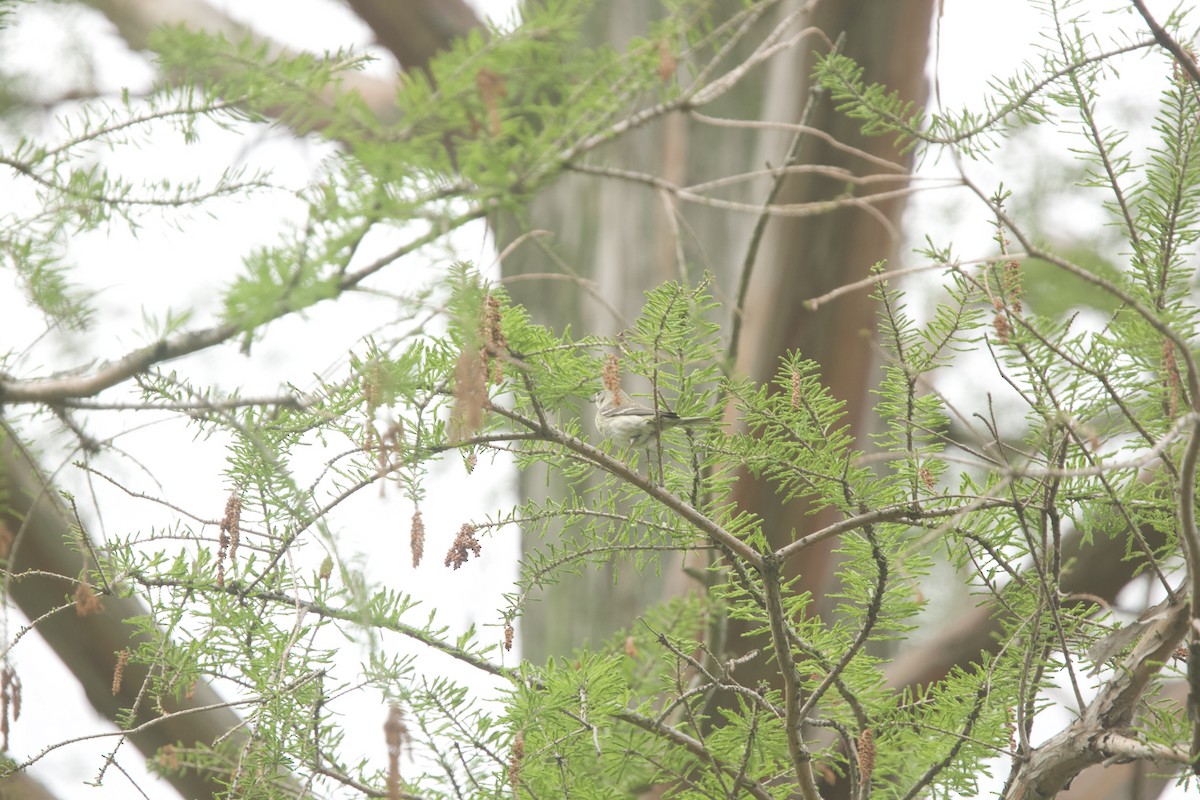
[(464, 544), (119, 670), (866, 753), (231, 523), (394, 734), (1174, 381), (86, 602), (515, 759), (491, 89), (1012, 284), (1000, 324), (470, 395), (168, 757), (416, 538), (491, 333)]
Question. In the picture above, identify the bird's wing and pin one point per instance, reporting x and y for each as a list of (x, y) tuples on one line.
[(638, 412)]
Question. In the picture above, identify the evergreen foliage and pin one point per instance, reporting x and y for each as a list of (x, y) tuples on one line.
[(1103, 444)]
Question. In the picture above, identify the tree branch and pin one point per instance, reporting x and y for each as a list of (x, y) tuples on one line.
[(37, 520), (135, 20), (1096, 736), (1182, 57)]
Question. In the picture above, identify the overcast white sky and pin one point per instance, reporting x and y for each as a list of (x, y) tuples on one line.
[(180, 266)]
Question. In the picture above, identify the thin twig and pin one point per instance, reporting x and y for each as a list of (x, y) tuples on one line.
[(815, 92), (813, 303)]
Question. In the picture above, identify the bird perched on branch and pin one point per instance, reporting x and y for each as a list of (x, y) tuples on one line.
[(626, 423)]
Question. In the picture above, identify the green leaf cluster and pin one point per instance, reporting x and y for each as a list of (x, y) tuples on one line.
[(750, 682)]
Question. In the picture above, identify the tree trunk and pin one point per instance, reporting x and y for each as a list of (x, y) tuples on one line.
[(618, 234)]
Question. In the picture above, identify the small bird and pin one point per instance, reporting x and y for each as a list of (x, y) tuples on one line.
[(627, 423)]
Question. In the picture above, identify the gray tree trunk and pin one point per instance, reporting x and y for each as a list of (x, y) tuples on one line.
[(619, 235)]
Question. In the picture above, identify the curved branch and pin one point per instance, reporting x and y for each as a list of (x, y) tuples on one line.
[(53, 390), (1094, 737), (33, 514), (135, 20), (416, 30), (1165, 39)]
